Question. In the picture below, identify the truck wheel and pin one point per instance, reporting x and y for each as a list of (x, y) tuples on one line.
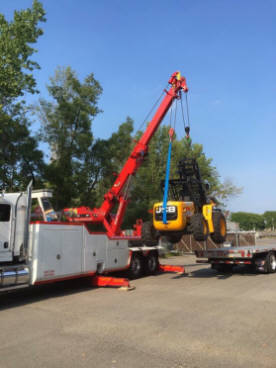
[(199, 227), (270, 263), (219, 222), (150, 236), (136, 268), (151, 263), (174, 237)]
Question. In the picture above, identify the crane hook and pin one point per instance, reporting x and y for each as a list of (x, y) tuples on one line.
[(188, 138)]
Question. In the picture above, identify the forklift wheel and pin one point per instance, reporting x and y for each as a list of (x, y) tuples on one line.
[(149, 234), (199, 227), (219, 235)]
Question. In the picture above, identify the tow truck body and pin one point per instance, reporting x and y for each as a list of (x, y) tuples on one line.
[(44, 252), (36, 248)]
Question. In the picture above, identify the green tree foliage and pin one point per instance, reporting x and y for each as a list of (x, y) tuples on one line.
[(270, 219), (93, 174), (16, 38), (115, 152), (20, 158), (248, 221), (66, 127)]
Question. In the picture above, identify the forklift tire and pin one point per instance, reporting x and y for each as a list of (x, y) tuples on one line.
[(270, 263), (151, 263), (150, 235), (220, 232), (174, 237), (199, 227), (136, 268)]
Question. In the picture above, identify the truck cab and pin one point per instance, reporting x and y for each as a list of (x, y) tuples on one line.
[(13, 216), (14, 220)]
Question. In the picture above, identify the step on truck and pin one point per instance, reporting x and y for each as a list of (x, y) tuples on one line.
[(258, 258), (37, 247)]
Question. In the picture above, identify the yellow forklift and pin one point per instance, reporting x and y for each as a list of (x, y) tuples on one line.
[(188, 209)]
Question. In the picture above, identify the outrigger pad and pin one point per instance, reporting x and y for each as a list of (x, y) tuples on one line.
[(107, 281), (171, 268)]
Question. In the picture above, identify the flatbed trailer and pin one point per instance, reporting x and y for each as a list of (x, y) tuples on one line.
[(259, 258)]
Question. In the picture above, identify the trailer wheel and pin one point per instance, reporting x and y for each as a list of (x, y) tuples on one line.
[(150, 236), (151, 263), (199, 227), (270, 263), (136, 268), (219, 222)]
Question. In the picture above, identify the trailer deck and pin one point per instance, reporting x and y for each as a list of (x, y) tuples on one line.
[(223, 259)]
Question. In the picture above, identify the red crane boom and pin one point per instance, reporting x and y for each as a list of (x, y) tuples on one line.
[(119, 191)]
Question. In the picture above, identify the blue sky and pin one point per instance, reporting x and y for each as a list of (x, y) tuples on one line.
[(226, 49)]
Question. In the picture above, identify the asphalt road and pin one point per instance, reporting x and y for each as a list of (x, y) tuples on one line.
[(200, 320)]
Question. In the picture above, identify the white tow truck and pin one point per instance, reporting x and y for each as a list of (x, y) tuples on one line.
[(37, 248), (39, 252)]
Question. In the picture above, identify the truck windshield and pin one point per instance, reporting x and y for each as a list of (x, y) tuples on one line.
[(5, 211), (46, 204)]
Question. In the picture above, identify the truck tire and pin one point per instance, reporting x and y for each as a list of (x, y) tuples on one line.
[(220, 232), (151, 263), (136, 268), (174, 237), (150, 236), (199, 227), (270, 263)]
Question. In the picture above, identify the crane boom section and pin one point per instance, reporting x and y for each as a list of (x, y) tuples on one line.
[(118, 192)]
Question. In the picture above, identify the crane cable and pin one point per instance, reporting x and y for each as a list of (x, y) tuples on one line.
[(186, 126), (150, 111)]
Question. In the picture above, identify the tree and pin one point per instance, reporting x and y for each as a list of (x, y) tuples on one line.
[(270, 219), (16, 38), (226, 190), (20, 158), (115, 152), (248, 221), (95, 175), (66, 127)]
